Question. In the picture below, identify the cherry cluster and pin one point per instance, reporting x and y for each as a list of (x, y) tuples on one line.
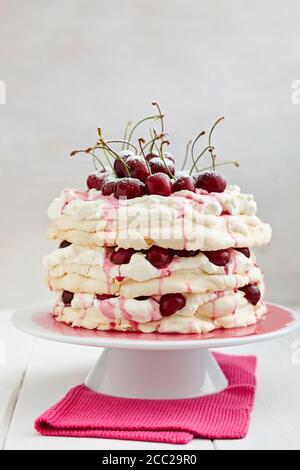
[(160, 257), (151, 170), (151, 175)]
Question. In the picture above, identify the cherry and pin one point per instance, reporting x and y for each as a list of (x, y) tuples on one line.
[(122, 256), (96, 180), (120, 167), (67, 297), (157, 165), (138, 168), (159, 184), (64, 244), (171, 303), (104, 296), (169, 156), (186, 253), (126, 153), (218, 257), (108, 186), (129, 188), (182, 183), (159, 257), (212, 182), (150, 156), (252, 293), (245, 251)]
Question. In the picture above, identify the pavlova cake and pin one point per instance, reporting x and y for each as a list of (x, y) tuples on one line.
[(147, 248)]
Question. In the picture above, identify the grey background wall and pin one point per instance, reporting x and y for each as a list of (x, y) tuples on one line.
[(71, 65)]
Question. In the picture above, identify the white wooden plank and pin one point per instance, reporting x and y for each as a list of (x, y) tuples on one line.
[(53, 369), (14, 350), (275, 421)]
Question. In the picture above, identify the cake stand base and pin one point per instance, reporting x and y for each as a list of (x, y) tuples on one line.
[(147, 374), (155, 366)]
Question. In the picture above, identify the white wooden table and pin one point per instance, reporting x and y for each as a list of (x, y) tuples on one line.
[(36, 373)]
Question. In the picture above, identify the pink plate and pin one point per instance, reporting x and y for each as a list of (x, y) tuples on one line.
[(37, 321)]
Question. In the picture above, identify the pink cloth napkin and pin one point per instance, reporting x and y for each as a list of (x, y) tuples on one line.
[(225, 415)]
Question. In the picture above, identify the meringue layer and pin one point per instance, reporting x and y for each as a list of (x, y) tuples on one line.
[(96, 225), (201, 314), (78, 269), (184, 220)]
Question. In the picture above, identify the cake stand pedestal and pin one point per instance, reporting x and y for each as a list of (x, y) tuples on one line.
[(155, 366), (156, 374)]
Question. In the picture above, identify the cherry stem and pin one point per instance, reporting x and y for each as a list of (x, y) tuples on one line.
[(213, 156), (193, 146), (233, 162), (161, 116), (121, 141), (108, 160), (155, 137), (128, 125), (196, 140), (139, 123), (158, 137), (186, 154), (161, 153), (89, 151), (109, 149), (95, 158), (198, 158), (141, 144)]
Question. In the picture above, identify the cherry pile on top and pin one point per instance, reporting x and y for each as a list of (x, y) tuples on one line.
[(151, 176), (146, 168)]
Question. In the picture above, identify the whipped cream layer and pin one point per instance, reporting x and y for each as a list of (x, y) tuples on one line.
[(78, 269), (96, 225), (185, 220), (96, 261), (201, 314)]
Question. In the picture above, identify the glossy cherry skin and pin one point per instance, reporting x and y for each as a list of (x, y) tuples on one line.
[(171, 303), (218, 257), (122, 256), (245, 251), (252, 293), (186, 253), (67, 297), (211, 181), (157, 165), (150, 156), (120, 167), (64, 244), (159, 184), (96, 180), (138, 168), (108, 186), (159, 257), (169, 156), (184, 183), (104, 296), (129, 188)]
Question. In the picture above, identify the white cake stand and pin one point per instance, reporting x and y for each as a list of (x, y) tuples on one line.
[(155, 366)]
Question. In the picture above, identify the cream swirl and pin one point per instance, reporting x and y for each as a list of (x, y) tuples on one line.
[(201, 314), (97, 260), (184, 220)]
